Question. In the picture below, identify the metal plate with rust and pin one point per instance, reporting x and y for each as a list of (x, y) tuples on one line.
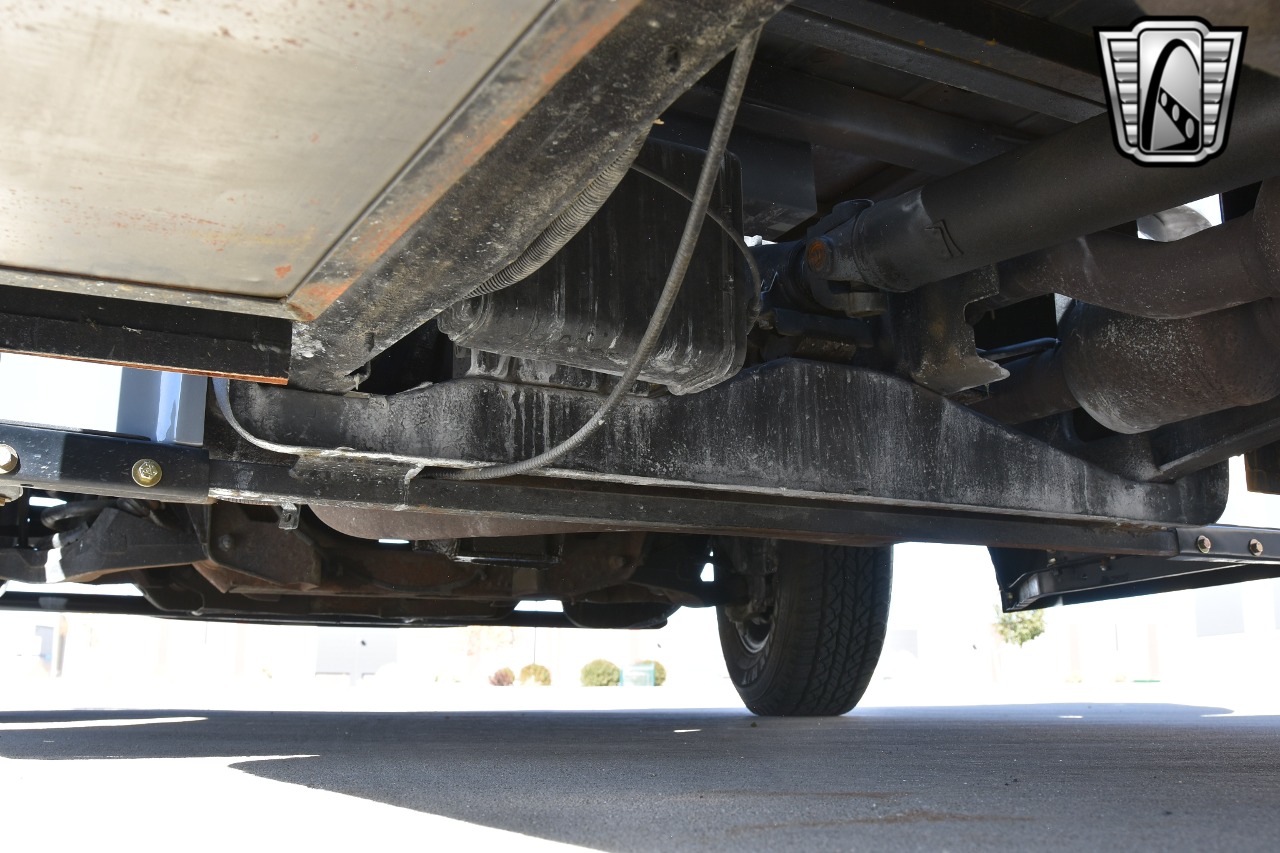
[(223, 147)]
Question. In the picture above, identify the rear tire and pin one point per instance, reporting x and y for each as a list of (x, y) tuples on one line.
[(813, 648)]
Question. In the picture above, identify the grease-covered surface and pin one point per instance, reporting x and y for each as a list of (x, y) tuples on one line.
[(789, 427), (589, 306), (221, 147)]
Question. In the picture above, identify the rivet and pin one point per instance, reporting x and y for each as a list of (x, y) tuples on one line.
[(1204, 543), (147, 473), (8, 459)]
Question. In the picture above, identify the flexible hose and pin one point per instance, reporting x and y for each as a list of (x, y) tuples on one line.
[(565, 226), (675, 278), (73, 514)]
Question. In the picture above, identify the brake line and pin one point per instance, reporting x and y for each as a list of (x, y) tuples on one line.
[(675, 278)]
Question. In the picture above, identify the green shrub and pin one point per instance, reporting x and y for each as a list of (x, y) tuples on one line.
[(659, 672), (503, 677), (536, 673), (601, 673), (1021, 626)]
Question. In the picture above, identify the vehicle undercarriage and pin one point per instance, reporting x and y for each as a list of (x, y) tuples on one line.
[(501, 311)]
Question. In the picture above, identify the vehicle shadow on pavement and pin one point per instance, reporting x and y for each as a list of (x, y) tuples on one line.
[(891, 778)]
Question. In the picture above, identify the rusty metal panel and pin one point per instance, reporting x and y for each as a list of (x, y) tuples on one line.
[(516, 157), (222, 147)]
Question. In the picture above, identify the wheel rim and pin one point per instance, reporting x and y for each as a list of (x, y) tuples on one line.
[(754, 632)]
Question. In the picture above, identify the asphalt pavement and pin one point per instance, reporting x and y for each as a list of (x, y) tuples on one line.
[(1026, 777)]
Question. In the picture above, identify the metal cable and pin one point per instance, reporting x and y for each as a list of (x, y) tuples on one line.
[(73, 514), (675, 278), (222, 394), (719, 220)]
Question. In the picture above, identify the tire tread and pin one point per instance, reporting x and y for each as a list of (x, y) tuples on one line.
[(827, 649)]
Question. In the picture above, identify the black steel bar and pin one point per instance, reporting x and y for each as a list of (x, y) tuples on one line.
[(1030, 199), (1200, 442), (675, 510), (791, 105), (867, 438), (1214, 269), (132, 605), (141, 334), (1207, 556), (939, 53), (103, 465)]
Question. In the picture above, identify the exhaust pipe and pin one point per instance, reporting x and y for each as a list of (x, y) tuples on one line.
[(1232, 264), (1035, 197), (1134, 374)]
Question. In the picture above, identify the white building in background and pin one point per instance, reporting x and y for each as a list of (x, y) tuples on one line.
[(941, 627)]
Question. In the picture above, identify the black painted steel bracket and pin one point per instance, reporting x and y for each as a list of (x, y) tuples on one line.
[(116, 541), (1206, 556), (786, 429), (144, 334), (104, 465)]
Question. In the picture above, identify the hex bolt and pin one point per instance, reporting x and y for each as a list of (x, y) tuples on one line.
[(8, 459), (147, 473), (1255, 548), (1204, 543)]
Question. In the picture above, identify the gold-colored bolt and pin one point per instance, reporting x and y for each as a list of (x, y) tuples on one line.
[(147, 473), (1204, 543), (1255, 547), (8, 459)]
